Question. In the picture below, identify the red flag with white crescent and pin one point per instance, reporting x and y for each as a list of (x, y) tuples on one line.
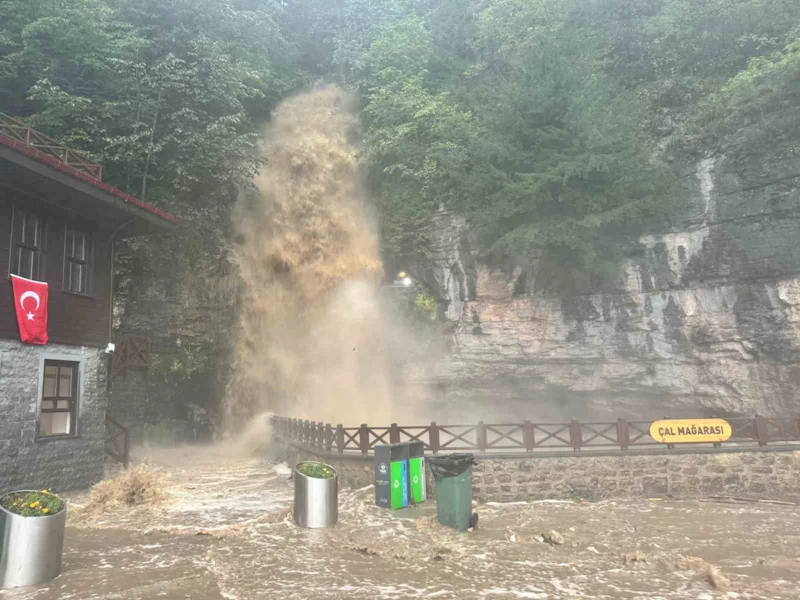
[(30, 300)]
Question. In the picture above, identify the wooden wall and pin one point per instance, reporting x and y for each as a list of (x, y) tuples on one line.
[(72, 319)]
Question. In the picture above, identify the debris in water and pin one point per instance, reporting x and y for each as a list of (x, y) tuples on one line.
[(381, 548), (231, 531), (140, 485), (634, 557), (715, 577), (553, 538), (441, 553), (707, 571)]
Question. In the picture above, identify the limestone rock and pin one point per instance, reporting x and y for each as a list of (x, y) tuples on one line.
[(706, 321)]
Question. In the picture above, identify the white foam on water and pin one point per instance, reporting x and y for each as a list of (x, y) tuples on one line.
[(535, 595), (282, 469), (565, 587)]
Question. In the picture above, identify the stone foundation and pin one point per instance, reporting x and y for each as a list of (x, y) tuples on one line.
[(758, 474), (772, 473), (60, 464)]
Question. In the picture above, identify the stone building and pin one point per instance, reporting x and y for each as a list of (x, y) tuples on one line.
[(58, 225)]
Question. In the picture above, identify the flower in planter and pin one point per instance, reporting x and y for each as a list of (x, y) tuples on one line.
[(32, 504), (316, 470)]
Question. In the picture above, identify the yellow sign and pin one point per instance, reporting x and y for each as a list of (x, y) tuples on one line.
[(682, 431)]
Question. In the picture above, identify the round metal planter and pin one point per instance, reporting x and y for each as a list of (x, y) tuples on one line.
[(30, 548), (316, 500)]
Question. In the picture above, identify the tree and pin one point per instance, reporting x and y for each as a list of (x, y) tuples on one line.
[(755, 115), (537, 150)]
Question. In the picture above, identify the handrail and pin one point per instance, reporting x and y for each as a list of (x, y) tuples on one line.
[(117, 441), (19, 131), (524, 438)]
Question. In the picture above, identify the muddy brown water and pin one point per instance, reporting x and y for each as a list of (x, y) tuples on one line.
[(227, 534)]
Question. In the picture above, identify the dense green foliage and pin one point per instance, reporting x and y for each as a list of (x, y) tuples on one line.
[(543, 121), (557, 127), (167, 95)]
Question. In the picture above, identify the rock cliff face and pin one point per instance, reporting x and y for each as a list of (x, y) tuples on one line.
[(706, 321)]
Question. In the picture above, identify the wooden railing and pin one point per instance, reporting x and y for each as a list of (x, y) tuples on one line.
[(523, 438), (117, 441), (131, 352), (16, 130)]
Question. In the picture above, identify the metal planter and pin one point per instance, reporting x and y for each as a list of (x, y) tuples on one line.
[(30, 548), (316, 500)]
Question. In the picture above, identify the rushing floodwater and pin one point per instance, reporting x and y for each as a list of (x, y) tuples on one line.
[(229, 535)]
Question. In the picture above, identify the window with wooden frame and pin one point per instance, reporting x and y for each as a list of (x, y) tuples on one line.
[(58, 412), (77, 261), (27, 245)]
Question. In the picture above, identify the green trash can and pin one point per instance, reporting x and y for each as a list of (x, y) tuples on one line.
[(416, 472), (453, 476), (391, 475)]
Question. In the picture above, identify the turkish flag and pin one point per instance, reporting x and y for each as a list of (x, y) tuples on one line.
[(30, 300)]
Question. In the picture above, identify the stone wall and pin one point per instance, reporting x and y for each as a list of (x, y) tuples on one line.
[(58, 464), (354, 472), (756, 474), (772, 475), (705, 320)]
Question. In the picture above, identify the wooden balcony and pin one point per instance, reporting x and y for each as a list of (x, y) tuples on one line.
[(29, 138)]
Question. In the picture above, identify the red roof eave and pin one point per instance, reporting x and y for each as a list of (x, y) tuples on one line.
[(64, 168)]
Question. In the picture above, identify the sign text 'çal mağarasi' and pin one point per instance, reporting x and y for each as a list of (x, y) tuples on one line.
[(682, 431)]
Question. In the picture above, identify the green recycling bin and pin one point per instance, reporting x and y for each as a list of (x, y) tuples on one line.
[(453, 476), (391, 476), (416, 472)]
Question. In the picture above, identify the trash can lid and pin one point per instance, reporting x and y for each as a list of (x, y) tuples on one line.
[(450, 465)]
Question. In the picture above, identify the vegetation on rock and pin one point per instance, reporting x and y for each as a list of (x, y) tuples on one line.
[(542, 120), (559, 128)]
